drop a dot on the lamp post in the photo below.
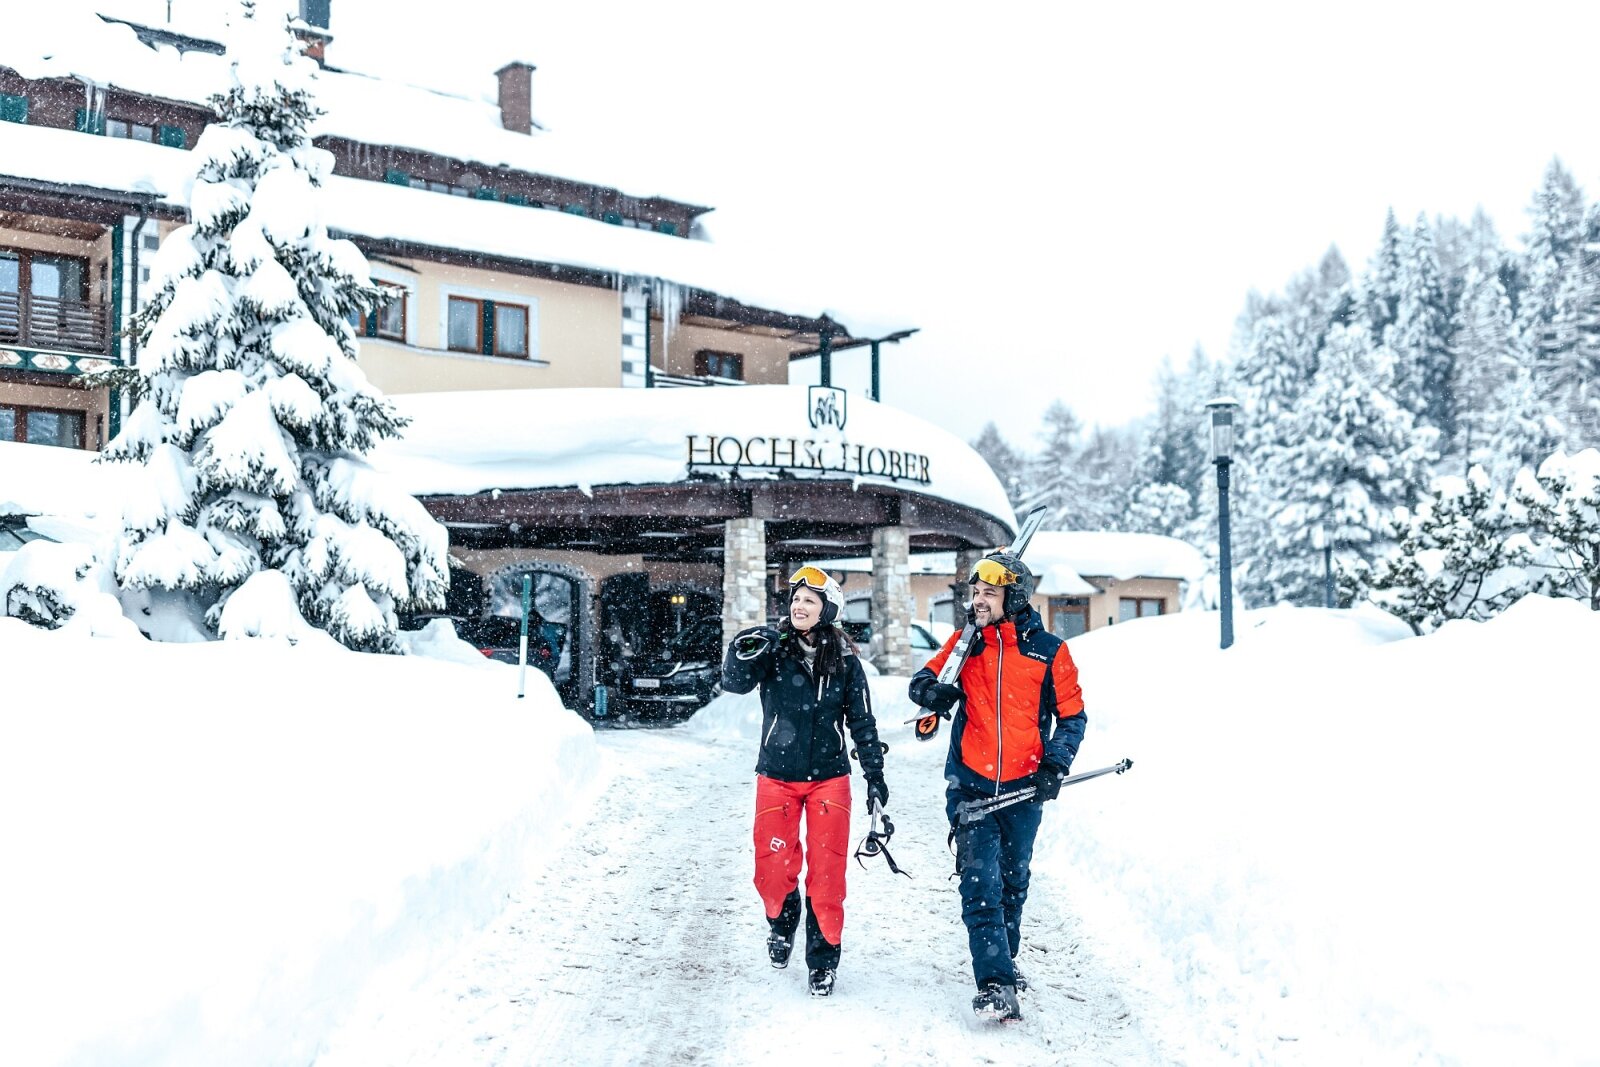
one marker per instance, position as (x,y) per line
(1322,543)
(1222,410)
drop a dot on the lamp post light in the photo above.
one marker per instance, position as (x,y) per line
(1222,410)
(1324,544)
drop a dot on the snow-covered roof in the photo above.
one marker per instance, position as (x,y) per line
(381,211)
(1062,558)
(475,442)
(70,42)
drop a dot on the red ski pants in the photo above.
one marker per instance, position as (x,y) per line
(780,853)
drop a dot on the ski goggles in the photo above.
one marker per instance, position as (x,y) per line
(810,577)
(994,572)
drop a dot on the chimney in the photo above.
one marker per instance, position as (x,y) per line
(311,27)
(516,96)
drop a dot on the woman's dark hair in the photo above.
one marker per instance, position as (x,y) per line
(833,644)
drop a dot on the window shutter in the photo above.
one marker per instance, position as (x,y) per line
(173,137)
(85,122)
(613,217)
(576,209)
(397,177)
(517,199)
(668,228)
(488,328)
(486,193)
(13,108)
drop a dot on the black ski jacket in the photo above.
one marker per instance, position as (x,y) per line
(803,718)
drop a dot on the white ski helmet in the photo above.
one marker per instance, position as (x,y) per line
(817,580)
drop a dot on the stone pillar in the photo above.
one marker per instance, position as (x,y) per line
(966,559)
(744,575)
(891,600)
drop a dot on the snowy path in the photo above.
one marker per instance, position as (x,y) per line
(646,944)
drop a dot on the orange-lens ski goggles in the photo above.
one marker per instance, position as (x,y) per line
(808,576)
(994,572)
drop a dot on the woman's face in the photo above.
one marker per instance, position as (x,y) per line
(805,608)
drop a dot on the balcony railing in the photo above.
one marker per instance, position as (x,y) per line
(678,381)
(46,322)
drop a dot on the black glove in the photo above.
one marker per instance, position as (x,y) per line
(940,697)
(755,641)
(1047,781)
(876,789)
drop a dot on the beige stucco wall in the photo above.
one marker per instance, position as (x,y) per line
(766,359)
(576,333)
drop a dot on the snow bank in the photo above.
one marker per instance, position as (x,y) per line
(1341,846)
(215,850)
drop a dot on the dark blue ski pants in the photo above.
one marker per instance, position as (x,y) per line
(992,858)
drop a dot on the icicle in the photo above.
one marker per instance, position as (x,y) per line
(670,298)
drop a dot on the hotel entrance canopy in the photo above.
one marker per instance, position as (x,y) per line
(659,472)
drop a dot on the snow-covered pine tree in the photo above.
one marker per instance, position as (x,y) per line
(1460,554)
(1553,255)
(1381,293)
(1055,477)
(1349,455)
(258,512)
(1420,334)
(1563,509)
(1487,355)
(1008,464)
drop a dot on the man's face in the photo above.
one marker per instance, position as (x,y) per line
(988,602)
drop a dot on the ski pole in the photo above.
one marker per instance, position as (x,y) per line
(970,811)
(877,841)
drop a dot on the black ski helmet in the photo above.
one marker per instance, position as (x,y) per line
(1009,573)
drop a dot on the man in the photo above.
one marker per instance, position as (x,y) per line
(1018,722)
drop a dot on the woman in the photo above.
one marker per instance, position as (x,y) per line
(812,687)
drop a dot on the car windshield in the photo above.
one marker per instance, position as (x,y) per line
(700,640)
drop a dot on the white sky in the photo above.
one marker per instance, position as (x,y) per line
(1058,195)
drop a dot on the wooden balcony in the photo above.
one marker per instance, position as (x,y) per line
(65,325)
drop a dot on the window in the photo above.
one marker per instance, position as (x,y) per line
(392,314)
(491,327)
(709,364)
(133,131)
(511,330)
(465,325)
(1069,616)
(41,426)
(1139,607)
(13,108)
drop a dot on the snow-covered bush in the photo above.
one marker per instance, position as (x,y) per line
(1461,555)
(1563,508)
(59,586)
(254,416)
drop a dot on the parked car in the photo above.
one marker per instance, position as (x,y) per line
(681,678)
(923,643)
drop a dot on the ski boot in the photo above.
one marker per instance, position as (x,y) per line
(778,949)
(822,982)
(998,1002)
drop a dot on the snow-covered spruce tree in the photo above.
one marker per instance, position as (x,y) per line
(1563,509)
(1346,459)
(1008,464)
(1460,555)
(1420,335)
(1487,354)
(258,512)
(1381,293)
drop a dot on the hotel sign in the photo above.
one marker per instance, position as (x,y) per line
(805,457)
